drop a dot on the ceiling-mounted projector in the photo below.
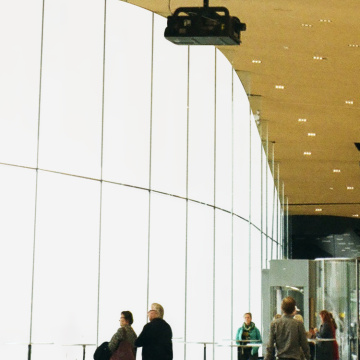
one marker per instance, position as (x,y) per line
(203,26)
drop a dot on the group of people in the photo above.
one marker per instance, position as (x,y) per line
(155,338)
(288,338)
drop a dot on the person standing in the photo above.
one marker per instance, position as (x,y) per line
(156,336)
(287,335)
(248,332)
(325,349)
(121,344)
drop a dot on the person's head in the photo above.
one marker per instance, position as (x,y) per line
(325,316)
(156,311)
(299,318)
(247,318)
(288,305)
(126,318)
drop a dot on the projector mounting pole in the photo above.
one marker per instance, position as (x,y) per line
(206,3)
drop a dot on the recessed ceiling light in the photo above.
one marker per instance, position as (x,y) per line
(302,120)
(256,61)
(331,188)
(308,153)
(319,58)
(336,170)
(311,134)
(306,25)
(318,209)
(279,86)
(325,20)
(354,45)
(349,102)
(350,188)
(356,215)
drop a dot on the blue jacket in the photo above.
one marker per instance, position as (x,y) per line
(254,335)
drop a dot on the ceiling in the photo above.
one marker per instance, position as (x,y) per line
(312,50)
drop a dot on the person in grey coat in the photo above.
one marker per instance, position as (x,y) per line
(287,335)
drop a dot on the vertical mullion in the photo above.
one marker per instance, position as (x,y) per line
(36,180)
(150,159)
(101,173)
(214,199)
(187,198)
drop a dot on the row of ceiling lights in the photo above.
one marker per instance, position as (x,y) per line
(282,87)
(320,210)
(256,61)
(328,21)
(308,153)
(348,102)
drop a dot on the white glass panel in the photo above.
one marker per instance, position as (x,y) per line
(59,352)
(255,275)
(279,232)
(124,254)
(256,149)
(167,260)
(276,217)
(66,260)
(169,121)
(196,350)
(71,102)
(127,94)
(241,296)
(223,283)
(223,194)
(20,77)
(271,204)
(12,351)
(241,287)
(263,189)
(201,124)
(264,206)
(17,205)
(200,258)
(270,251)
(241,136)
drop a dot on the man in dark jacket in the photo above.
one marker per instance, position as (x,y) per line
(155,338)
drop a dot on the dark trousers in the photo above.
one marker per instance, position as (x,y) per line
(245,354)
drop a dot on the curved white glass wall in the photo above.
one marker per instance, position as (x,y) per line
(130,173)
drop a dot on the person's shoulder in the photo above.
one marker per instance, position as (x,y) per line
(277,320)
(165,323)
(159,322)
(274,322)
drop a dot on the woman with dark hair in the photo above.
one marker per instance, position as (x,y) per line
(335,344)
(325,349)
(121,344)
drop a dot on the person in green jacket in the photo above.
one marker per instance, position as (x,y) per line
(251,334)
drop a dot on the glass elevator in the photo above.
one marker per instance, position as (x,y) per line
(330,284)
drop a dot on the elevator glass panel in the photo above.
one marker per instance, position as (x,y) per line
(278,293)
(337,292)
